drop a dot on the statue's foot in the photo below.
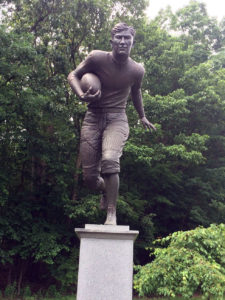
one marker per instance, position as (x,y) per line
(111,219)
(103,202)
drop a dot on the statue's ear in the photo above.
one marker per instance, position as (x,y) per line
(134,42)
(111,42)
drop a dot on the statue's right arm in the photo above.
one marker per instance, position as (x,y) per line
(86,66)
(74,79)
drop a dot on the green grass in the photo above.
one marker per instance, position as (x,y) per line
(165,298)
(170,298)
(71,298)
(74,298)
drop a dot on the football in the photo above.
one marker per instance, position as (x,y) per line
(90,80)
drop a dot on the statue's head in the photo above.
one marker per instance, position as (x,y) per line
(121,27)
(122,39)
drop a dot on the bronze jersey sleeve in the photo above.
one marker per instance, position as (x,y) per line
(117,79)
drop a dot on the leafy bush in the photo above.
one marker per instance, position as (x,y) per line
(10,291)
(27,292)
(52,291)
(65,271)
(190,262)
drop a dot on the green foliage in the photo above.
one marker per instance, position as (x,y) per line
(65,271)
(42,197)
(172,179)
(27,294)
(189,262)
(10,290)
(52,292)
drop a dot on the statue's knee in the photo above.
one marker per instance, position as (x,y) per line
(110,166)
(93,181)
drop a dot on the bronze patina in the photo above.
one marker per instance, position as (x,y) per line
(105,127)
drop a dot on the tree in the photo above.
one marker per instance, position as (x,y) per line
(186,263)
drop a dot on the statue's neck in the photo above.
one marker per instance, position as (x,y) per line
(120,59)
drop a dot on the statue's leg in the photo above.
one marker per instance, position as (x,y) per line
(103,199)
(90,151)
(114,138)
(112,189)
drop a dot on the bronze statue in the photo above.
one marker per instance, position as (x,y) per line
(105,127)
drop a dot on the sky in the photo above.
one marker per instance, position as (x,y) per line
(215,8)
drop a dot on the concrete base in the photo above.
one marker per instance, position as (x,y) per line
(105,262)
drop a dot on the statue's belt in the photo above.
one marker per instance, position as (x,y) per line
(106,110)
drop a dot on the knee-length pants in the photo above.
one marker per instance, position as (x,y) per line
(103,136)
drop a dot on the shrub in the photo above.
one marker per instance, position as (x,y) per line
(10,291)
(189,262)
(52,291)
(27,292)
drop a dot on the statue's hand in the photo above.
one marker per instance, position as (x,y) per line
(147,125)
(89,97)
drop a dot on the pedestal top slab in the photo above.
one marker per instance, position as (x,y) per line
(106,232)
(107,227)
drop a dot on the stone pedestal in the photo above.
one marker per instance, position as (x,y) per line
(105,262)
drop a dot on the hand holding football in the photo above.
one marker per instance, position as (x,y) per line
(90,80)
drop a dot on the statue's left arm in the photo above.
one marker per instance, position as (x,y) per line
(136,96)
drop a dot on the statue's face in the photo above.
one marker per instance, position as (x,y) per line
(122,42)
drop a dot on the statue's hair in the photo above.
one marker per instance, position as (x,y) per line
(120,27)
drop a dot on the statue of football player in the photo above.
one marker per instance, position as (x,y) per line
(105,127)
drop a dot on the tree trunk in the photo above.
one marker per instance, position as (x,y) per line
(20,279)
(76,176)
(9,277)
